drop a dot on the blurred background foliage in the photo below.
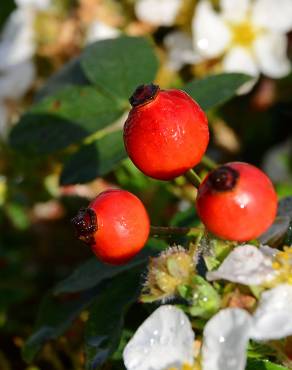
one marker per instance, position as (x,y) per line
(62,107)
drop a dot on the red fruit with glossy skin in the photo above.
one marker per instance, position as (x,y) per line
(166,132)
(115,224)
(237,201)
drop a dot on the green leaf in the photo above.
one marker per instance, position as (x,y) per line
(92,272)
(215,90)
(70,74)
(288,236)
(104,326)
(93,160)
(63,119)
(187,217)
(285,207)
(275,235)
(118,66)
(54,317)
(263,365)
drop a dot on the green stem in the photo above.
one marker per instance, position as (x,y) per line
(193,178)
(173,230)
(208,163)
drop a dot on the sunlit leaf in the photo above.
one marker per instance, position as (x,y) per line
(215,90)
(263,365)
(118,66)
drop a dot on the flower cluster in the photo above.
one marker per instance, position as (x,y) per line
(246,36)
(167,341)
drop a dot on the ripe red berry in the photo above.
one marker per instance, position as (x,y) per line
(166,132)
(115,225)
(237,201)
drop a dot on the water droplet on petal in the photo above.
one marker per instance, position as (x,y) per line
(155,332)
(221,339)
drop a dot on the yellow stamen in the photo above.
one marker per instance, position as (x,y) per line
(184,367)
(243,33)
(282,265)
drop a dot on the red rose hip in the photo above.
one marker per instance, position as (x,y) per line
(166,132)
(237,201)
(115,225)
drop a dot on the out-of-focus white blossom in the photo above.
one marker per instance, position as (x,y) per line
(17,49)
(180,50)
(248,35)
(158,12)
(100,31)
(227,333)
(17,80)
(17,39)
(165,340)
(35,4)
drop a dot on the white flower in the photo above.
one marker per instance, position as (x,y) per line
(250,265)
(17,80)
(17,38)
(247,265)
(158,12)
(226,335)
(17,48)
(249,35)
(100,31)
(165,340)
(37,4)
(180,50)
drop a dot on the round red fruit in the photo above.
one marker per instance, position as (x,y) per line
(166,132)
(115,224)
(237,201)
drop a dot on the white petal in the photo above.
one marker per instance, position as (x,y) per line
(225,340)
(17,79)
(17,41)
(100,31)
(268,251)
(239,59)
(164,340)
(211,34)
(158,13)
(38,4)
(235,10)
(246,264)
(273,317)
(180,50)
(273,14)
(271,50)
